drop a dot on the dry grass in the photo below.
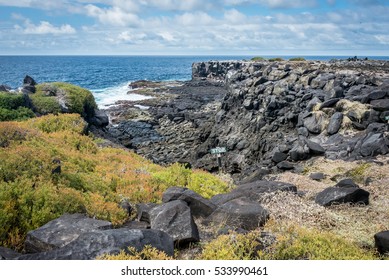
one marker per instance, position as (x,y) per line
(357,223)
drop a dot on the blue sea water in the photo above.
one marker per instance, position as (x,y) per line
(106,76)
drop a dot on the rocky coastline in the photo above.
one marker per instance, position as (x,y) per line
(268,115)
(272,118)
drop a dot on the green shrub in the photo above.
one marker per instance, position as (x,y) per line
(147,253)
(206,184)
(19,114)
(74,99)
(257,58)
(276,59)
(45,104)
(11,101)
(297,59)
(232,247)
(52,123)
(176,175)
(301,244)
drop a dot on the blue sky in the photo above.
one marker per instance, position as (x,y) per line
(195,27)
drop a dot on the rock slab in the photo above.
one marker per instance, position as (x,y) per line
(60,232)
(90,245)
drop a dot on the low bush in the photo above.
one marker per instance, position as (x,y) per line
(13,107)
(91,180)
(257,58)
(53,98)
(11,101)
(297,243)
(274,59)
(148,253)
(297,59)
(232,247)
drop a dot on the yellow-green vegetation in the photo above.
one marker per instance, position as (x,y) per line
(48,96)
(232,247)
(297,59)
(92,180)
(358,173)
(257,58)
(12,107)
(298,243)
(202,182)
(291,243)
(147,253)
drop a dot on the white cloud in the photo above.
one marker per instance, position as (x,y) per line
(234,16)
(45,28)
(195,19)
(114,16)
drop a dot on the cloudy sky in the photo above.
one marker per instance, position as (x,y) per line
(185,27)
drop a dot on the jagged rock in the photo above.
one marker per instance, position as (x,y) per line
(90,245)
(29,81)
(4,88)
(299,152)
(239,213)
(28,85)
(8,254)
(278,157)
(345,191)
(335,123)
(253,190)
(199,206)
(143,211)
(318,176)
(315,148)
(61,231)
(374,144)
(376,94)
(175,218)
(100,119)
(382,241)
(315,122)
(285,165)
(380,105)
(329,103)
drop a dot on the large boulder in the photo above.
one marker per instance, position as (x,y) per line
(90,245)
(60,232)
(199,206)
(175,218)
(374,144)
(382,242)
(29,85)
(346,191)
(314,148)
(239,213)
(253,190)
(100,119)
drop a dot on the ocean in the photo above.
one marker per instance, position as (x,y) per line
(108,77)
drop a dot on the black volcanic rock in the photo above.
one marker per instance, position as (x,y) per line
(198,204)
(345,191)
(382,242)
(90,245)
(239,213)
(175,218)
(60,232)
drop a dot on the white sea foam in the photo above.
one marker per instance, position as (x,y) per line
(107,97)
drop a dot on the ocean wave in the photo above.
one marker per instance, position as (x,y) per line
(107,97)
